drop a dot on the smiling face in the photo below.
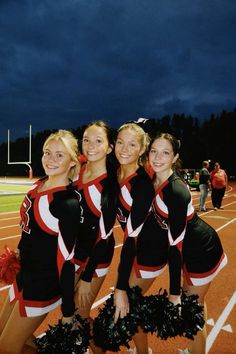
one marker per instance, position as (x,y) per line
(56,159)
(128,147)
(95,144)
(161,157)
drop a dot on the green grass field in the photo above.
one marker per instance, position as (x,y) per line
(13,188)
(11,202)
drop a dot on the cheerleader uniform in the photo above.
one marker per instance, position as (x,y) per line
(140,245)
(95,245)
(194,246)
(49,232)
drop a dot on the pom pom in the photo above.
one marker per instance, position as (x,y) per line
(159,315)
(9,266)
(192,314)
(111,336)
(65,339)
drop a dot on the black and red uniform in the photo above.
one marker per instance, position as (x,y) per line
(194,245)
(49,232)
(139,247)
(95,246)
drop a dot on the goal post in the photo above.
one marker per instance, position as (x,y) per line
(27,163)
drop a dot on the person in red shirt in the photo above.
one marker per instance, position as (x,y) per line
(219,180)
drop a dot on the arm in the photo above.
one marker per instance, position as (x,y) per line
(106,223)
(67,212)
(177,200)
(139,211)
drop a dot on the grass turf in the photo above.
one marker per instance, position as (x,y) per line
(10,203)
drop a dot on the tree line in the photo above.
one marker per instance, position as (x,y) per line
(212,139)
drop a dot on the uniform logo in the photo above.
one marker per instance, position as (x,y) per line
(120,216)
(159,219)
(24,213)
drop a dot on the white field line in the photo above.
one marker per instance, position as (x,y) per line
(9,212)
(9,226)
(14,217)
(220,322)
(9,237)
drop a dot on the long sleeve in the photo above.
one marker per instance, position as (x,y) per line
(139,210)
(179,206)
(105,233)
(67,212)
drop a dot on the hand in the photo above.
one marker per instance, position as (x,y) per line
(121,303)
(85,295)
(65,320)
(175,299)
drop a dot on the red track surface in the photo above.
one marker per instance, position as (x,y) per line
(221,298)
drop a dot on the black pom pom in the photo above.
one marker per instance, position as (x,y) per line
(160,316)
(111,336)
(64,339)
(192,315)
(166,320)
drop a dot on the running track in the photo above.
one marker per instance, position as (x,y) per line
(221,298)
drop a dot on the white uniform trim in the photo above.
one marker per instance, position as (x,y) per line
(95,196)
(161,204)
(38,311)
(49,220)
(179,239)
(131,232)
(101,271)
(126,195)
(104,235)
(148,274)
(209,278)
(63,249)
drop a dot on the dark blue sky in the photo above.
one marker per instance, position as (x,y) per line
(66,62)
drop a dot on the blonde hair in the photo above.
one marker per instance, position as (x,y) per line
(142,136)
(71,144)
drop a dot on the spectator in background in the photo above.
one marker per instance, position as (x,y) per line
(204,180)
(219,180)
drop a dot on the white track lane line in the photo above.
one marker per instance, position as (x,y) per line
(220,322)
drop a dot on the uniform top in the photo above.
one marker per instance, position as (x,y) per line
(96,223)
(134,204)
(49,233)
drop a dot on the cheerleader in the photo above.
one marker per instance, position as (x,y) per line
(194,248)
(139,263)
(49,214)
(97,190)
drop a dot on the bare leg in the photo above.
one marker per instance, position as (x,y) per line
(141,339)
(5,313)
(30,341)
(198,346)
(17,328)
(84,306)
